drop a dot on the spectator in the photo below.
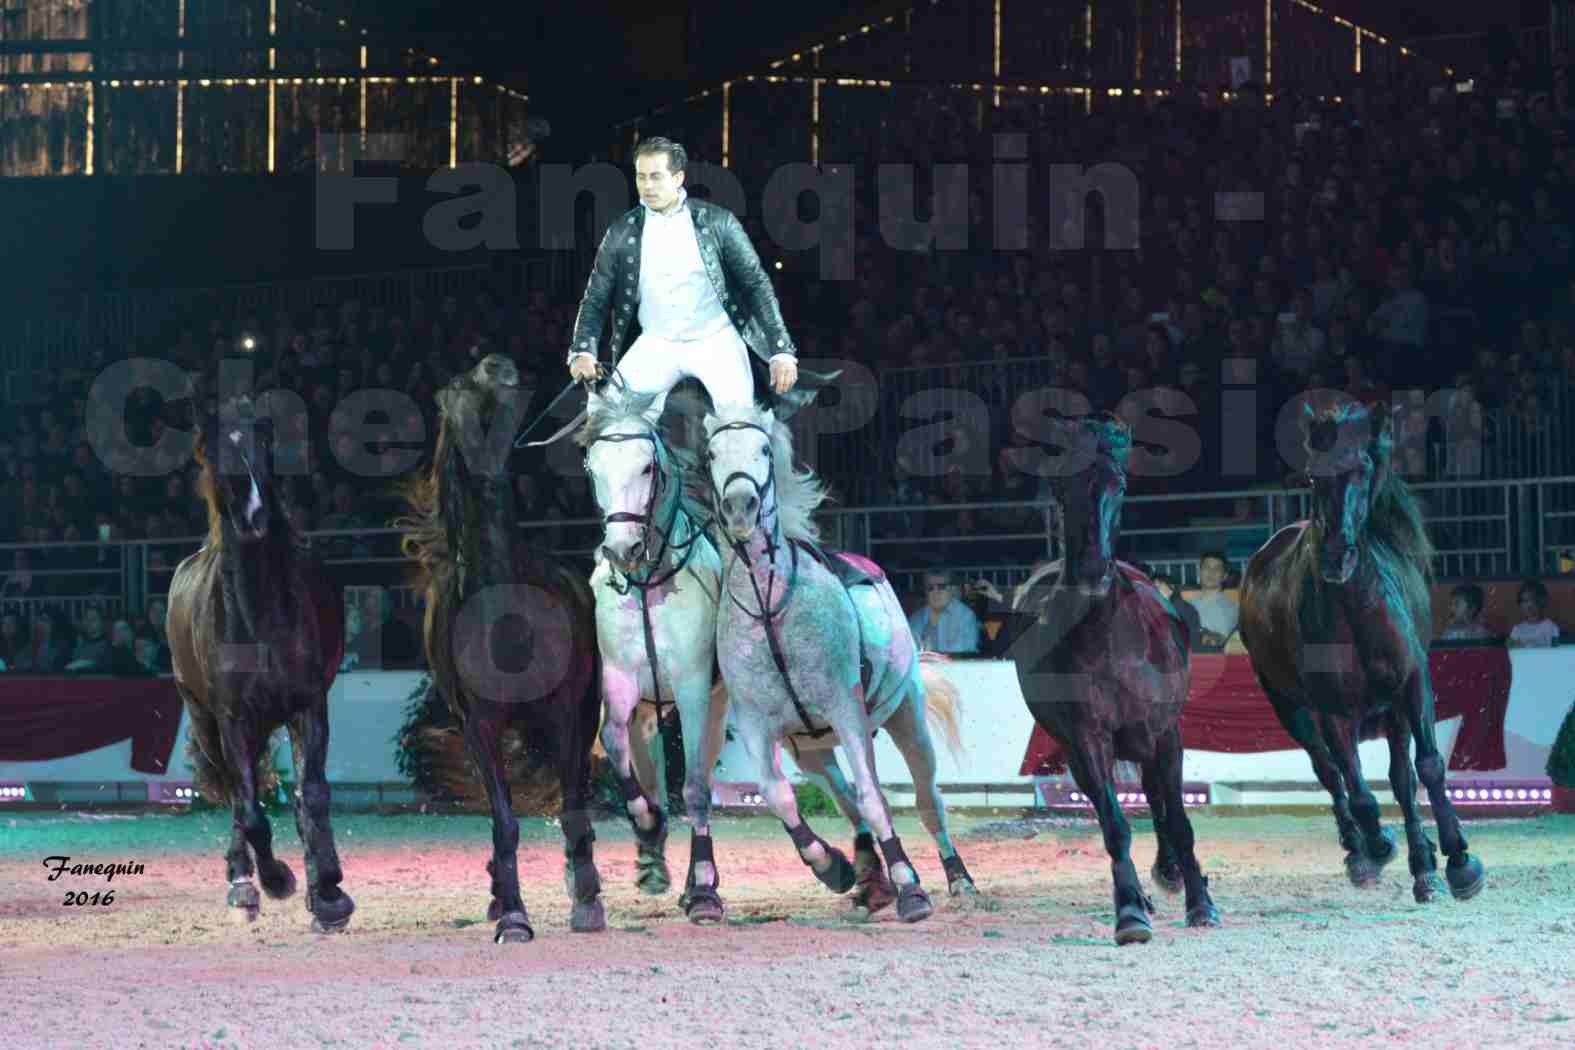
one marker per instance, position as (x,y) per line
(1400,325)
(91,654)
(47,653)
(1217,611)
(146,651)
(944,624)
(1465,615)
(13,638)
(1534,630)
(122,651)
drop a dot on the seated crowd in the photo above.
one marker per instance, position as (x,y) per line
(1410,241)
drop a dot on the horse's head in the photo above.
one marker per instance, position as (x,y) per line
(630,470)
(1090,488)
(1347,462)
(238,455)
(480,410)
(742,465)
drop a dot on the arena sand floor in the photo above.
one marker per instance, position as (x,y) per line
(1304,958)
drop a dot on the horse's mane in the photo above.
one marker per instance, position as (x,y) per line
(426,537)
(626,410)
(209,490)
(1396,533)
(1110,436)
(799,491)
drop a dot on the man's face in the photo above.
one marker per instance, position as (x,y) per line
(657,184)
(1211,573)
(937,592)
(1461,609)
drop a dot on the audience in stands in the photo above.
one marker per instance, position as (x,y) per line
(945,624)
(1217,611)
(1465,615)
(1534,630)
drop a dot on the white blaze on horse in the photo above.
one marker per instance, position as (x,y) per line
(657,581)
(816,652)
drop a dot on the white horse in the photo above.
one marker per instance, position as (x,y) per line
(656,583)
(816,652)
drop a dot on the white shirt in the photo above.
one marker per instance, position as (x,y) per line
(1217,612)
(1542,633)
(677,300)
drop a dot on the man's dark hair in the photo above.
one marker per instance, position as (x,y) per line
(1216,555)
(1473,596)
(677,156)
(1538,591)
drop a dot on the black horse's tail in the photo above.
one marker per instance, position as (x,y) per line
(211,775)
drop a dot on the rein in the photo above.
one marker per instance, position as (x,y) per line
(646,582)
(741,551)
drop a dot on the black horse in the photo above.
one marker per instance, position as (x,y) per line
(1103,667)
(1336,614)
(256,631)
(510,632)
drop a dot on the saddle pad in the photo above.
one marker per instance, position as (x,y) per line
(849,568)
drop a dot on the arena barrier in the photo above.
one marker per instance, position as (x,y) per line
(368,708)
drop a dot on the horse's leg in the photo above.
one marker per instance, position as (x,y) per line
(1299,723)
(872,889)
(330,906)
(1090,761)
(829,864)
(1424,863)
(1465,873)
(243,899)
(484,734)
(1166,873)
(910,731)
(913,904)
(1364,866)
(621,693)
(576,732)
(702,715)
(241,751)
(1167,767)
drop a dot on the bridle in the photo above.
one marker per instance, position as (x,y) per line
(741,553)
(648,576)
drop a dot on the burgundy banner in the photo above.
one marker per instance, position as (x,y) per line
(43,718)
(1227,711)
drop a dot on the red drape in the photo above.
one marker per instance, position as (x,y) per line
(44,718)
(1227,711)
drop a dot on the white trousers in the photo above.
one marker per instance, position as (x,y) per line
(720,362)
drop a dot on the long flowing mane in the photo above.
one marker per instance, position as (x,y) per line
(1396,535)
(623,410)
(799,491)
(209,489)
(426,535)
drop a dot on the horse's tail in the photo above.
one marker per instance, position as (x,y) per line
(211,775)
(942,700)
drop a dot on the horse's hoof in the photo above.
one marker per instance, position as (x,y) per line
(1427,888)
(703,906)
(588,916)
(1361,870)
(1168,879)
(1132,926)
(1203,915)
(653,879)
(494,910)
(874,893)
(913,904)
(1466,880)
(839,877)
(331,914)
(243,902)
(514,928)
(279,882)
(1384,850)
(963,889)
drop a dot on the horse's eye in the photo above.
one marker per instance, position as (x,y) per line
(647,471)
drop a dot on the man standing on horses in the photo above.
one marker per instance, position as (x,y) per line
(686,271)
